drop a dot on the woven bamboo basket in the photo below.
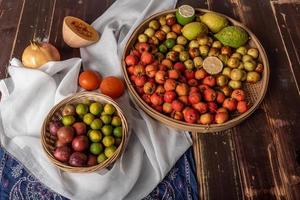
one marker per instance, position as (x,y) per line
(255,92)
(48,140)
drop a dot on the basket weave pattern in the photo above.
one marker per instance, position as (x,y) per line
(255,92)
(48,140)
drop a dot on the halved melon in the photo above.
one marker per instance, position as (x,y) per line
(77,33)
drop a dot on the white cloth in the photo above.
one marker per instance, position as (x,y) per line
(29,94)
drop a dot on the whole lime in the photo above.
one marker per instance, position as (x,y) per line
(96,124)
(109,109)
(68,120)
(106,119)
(81,109)
(102,157)
(96,108)
(95,135)
(118,132)
(109,151)
(170,43)
(116,121)
(107,129)
(88,118)
(96,148)
(108,140)
(162,48)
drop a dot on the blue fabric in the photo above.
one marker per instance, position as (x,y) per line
(18,183)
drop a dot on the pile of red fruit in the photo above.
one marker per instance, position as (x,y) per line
(169,85)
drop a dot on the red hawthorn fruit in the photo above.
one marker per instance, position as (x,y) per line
(160,90)
(201,107)
(222,109)
(203,87)
(210,81)
(146,98)
(192,82)
(177,115)
(193,89)
(167,107)
(173,74)
(169,96)
(177,105)
(189,74)
(135,53)
(220,97)
(151,70)
(194,98)
(131,60)
(221,117)
(200,74)
(182,89)
(238,94)
(168,63)
(206,119)
(191,115)
(140,81)
(212,107)
(139,70)
(149,88)
(130,70)
(170,85)
(179,66)
(146,58)
(242,106)
(132,78)
(160,77)
(156,99)
(142,47)
(209,94)
(230,104)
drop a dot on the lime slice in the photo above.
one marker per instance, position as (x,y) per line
(212,65)
(185,14)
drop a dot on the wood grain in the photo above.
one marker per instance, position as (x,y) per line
(10,15)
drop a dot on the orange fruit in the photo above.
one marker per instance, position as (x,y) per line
(112,86)
(89,80)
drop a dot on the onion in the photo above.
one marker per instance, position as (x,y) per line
(37,54)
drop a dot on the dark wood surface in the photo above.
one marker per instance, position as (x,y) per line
(255,160)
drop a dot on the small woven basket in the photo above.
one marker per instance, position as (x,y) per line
(48,140)
(255,92)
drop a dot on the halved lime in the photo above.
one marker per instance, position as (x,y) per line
(212,65)
(185,14)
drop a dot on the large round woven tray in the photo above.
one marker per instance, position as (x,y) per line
(48,140)
(255,92)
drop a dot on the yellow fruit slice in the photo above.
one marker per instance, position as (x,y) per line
(77,33)
(185,14)
(212,65)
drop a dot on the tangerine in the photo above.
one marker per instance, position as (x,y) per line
(112,86)
(89,80)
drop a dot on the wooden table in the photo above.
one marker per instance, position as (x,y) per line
(257,159)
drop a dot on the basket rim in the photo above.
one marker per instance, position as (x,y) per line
(197,127)
(70,99)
